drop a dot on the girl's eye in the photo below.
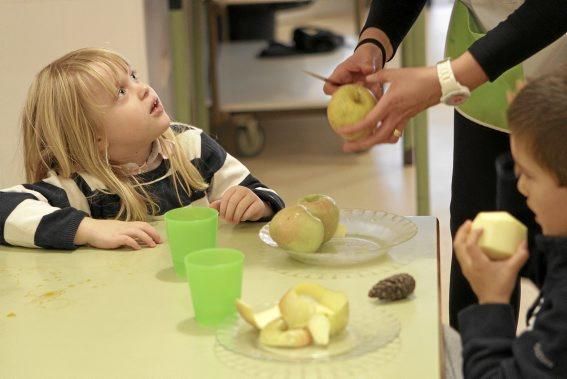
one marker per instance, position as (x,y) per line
(134,75)
(121,91)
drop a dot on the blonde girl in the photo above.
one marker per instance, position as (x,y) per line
(105,158)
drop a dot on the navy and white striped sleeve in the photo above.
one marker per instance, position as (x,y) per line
(222,171)
(41,215)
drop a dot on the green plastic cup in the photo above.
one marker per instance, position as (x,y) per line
(215,281)
(190,229)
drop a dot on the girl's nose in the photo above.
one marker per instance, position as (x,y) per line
(143,91)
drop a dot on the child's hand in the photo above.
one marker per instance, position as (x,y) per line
(491,281)
(111,234)
(241,204)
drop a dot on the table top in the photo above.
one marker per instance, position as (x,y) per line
(251,84)
(98,313)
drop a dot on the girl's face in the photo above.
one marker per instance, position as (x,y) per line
(544,195)
(133,119)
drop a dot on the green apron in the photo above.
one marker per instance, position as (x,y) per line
(488,104)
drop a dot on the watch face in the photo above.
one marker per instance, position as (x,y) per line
(456,99)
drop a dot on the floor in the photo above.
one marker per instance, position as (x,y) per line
(302,155)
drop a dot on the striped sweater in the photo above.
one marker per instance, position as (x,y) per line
(47,214)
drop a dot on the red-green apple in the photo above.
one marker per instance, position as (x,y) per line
(325,209)
(295,228)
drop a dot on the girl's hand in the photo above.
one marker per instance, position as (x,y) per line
(241,204)
(411,91)
(111,234)
(366,60)
(491,281)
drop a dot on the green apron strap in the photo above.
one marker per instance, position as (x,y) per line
(487,104)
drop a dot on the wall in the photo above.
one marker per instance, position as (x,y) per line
(35,32)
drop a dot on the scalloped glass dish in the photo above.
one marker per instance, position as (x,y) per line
(366,331)
(370,234)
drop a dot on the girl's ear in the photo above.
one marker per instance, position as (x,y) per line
(101,143)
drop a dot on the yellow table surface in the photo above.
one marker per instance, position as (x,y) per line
(122,313)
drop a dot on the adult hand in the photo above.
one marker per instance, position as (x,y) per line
(410,91)
(366,60)
(491,281)
(239,203)
(111,234)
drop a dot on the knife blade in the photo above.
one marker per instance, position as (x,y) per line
(321,77)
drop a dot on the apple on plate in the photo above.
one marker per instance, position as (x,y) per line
(257,319)
(502,234)
(295,228)
(349,104)
(325,209)
(277,333)
(307,313)
(324,312)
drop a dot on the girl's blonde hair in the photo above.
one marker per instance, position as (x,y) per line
(61,125)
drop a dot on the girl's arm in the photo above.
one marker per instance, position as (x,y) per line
(40,215)
(222,171)
(54,214)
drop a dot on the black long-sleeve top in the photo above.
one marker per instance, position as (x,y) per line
(533,26)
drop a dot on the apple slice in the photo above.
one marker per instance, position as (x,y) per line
(336,302)
(297,309)
(341,231)
(277,334)
(260,319)
(320,328)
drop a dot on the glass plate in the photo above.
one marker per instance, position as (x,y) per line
(366,331)
(370,234)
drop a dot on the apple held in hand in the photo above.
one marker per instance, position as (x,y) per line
(325,209)
(295,228)
(502,233)
(350,104)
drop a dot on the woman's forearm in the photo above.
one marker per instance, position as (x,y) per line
(468,71)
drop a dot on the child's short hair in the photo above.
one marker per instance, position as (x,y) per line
(538,119)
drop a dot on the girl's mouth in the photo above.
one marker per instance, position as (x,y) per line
(155,106)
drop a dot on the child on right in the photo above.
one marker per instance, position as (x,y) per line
(490,347)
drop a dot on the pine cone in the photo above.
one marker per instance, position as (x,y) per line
(395,287)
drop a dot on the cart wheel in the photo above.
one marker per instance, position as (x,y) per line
(250,139)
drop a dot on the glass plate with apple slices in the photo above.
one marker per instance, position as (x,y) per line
(368,330)
(369,235)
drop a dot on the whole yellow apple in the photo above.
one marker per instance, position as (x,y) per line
(350,104)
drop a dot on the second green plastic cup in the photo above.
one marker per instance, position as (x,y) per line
(190,229)
(215,281)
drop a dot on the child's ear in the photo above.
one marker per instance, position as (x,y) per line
(101,143)
(511,95)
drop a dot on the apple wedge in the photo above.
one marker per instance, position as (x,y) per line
(260,319)
(336,302)
(341,231)
(277,334)
(320,328)
(298,309)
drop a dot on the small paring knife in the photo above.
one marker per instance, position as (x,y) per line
(321,77)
